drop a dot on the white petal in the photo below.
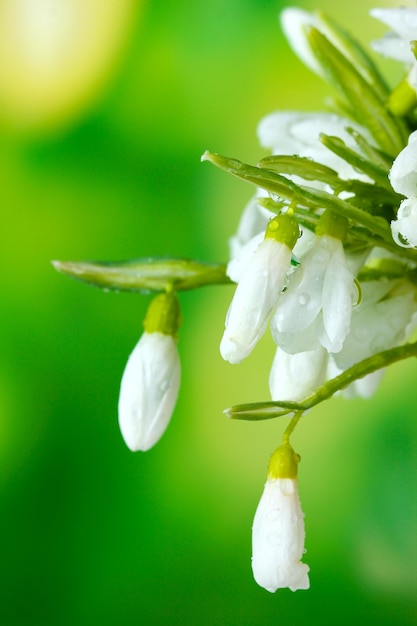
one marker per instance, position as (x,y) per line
(149,390)
(242,256)
(254,300)
(252,222)
(294,376)
(404,228)
(278,538)
(403,174)
(339,294)
(375,328)
(402,20)
(302,301)
(293,21)
(393,47)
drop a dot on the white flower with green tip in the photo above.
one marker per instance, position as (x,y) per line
(320,294)
(258,290)
(278,528)
(151,379)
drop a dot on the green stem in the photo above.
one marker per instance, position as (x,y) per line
(268,410)
(289,430)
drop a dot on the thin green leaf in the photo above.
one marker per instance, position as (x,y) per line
(354,51)
(365,103)
(145,275)
(283,188)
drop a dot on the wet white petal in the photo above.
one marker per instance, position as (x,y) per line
(403,174)
(278,538)
(255,299)
(404,228)
(149,390)
(294,376)
(376,325)
(302,301)
(337,299)
(252,222)
(242,256)
(320,296)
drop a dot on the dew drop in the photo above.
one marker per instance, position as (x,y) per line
(303,299)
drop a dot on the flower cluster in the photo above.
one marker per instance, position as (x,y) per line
(325,255)
(342,290)
(325,310)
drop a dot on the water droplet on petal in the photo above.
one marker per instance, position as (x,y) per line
(303,299)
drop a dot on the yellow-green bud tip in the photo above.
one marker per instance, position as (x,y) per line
(163,315)
(333,225)
(283,463)
(284,229)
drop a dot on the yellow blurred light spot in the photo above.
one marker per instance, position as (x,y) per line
(56,56)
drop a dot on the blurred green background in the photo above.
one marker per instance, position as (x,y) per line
(105,109)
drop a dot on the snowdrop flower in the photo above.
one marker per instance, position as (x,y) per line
(317,306)
(151,378)
(403,178)
(294,376)
(278,527)
(259,288)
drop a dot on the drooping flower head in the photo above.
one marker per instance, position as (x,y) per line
(317,306)
(278,527)
(258,289)
(151,378)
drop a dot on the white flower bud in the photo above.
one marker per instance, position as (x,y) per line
(278,527)
(255,299)
(321,285)
(278,538)
(149,390)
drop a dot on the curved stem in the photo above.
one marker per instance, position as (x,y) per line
(268,410)
(289,430)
